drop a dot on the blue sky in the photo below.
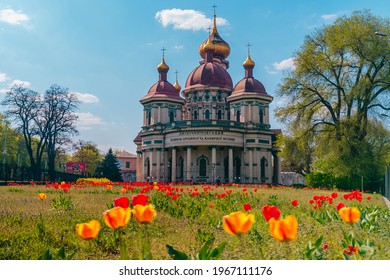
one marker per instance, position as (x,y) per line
(107,51)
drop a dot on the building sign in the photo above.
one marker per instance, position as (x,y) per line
(75,167)
(203,137)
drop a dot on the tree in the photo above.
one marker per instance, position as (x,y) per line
(109,168)
(89,153)
(340,82)
(46,122)
(341,76)
(58,114)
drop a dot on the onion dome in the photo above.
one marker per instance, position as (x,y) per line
(209,74)
(176,84)
(163,88)
(249,84)
(222,49)
(162,67)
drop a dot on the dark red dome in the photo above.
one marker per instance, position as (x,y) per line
(209,74)
(162,89)
(249,84)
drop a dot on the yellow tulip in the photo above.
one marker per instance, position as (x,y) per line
(284,229)
(42,196)
(144,214)
(88,230)
(117,217)
(350,214)
(237,223)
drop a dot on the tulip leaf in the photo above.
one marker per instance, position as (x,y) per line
(203,252)
(175,254)
(217,251)
(318,242)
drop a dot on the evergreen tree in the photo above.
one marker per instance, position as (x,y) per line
(109,168)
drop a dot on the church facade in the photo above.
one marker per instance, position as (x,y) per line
(211,130)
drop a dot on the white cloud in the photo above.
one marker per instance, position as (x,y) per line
(285,64)
(186,19)
(3,77)
(178,47)
(13,17)
(86,120)
(329,17)
(270,71)
(19,83)
(86,97)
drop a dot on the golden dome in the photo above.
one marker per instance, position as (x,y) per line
(163,66)
(209,46)
(222,49)
(177,86)
(249,63)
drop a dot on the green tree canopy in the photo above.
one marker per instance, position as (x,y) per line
(89,153)
(339,92)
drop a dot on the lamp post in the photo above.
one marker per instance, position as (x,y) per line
(213,167)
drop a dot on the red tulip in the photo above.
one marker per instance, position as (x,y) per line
(294,202)
(122,201)
(270,212)
(247,207)
(334,195)
(139,199)
(339,206)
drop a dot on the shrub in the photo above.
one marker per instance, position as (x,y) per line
(320,180)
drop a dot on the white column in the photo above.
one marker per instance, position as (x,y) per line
(173,167)
(188,165)
(230,164)
(142,169)
(249,113)
(158,166)
(213,162)
(213,113)
(251,166)
(151,164)
(159,114)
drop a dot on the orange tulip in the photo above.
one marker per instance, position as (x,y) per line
(238,222)
(42,196)
(350,214)
(284,229)
(117,217)
(144,214)
(88,230)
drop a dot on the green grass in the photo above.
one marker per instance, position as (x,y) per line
(33,229)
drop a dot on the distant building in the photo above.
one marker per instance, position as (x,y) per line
(212,129)
(292,178)
(127,166)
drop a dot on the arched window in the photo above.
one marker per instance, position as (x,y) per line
(202,167)
(226,169)
(148,117)
(219,97)
(206,97)
(237,168)
(147,167)
(207,114)
(238,116)
(195,115)
(261,112)
(195,98)
(181,168)
(263,165)
(171,116)
(219,115)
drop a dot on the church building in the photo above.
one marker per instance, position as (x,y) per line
(210,130)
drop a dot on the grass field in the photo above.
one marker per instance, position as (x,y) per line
(187,217)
